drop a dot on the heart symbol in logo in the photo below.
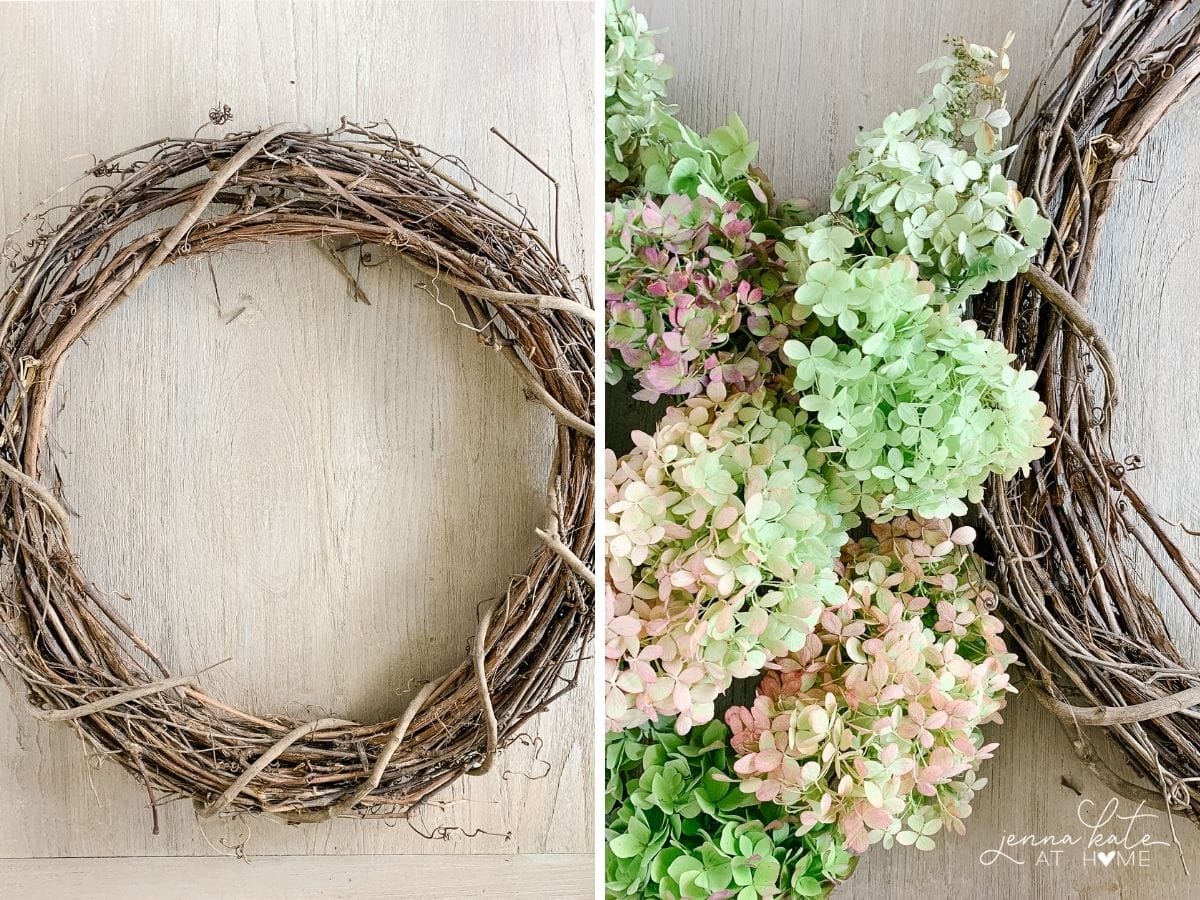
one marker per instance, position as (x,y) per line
(1106,858)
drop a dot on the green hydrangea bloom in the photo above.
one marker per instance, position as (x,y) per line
(678,826)
(635,79)
(921,407)
(928,183)
(650,152)
(680,161)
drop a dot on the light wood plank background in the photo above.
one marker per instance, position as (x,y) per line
(535,876)
(320,490)
(805,76)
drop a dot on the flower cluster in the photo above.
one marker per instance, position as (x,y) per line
(721,534)
(678,827)
(716,166)
(920,405)
(682,278)
(874,726)
(828,371)
(649,152)
(929,183)
(635,79)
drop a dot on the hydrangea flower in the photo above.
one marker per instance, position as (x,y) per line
(682,277)
(678,826)
(920,406)
(650,152)
(721,534)
(646,149)
(928,183)
(874,726)
(635,79)
(718,166)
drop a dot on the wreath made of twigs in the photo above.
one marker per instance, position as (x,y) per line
(77,660)
(1071,541)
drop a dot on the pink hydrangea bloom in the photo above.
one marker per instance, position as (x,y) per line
(682,280)
(721,541)
(875,724)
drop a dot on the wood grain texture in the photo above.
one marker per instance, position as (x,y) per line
(805,76)
(319,490)
(533,876)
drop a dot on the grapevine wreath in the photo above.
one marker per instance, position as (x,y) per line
(76,658)
(1084,558)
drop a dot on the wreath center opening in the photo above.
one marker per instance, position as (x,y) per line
(318,489)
